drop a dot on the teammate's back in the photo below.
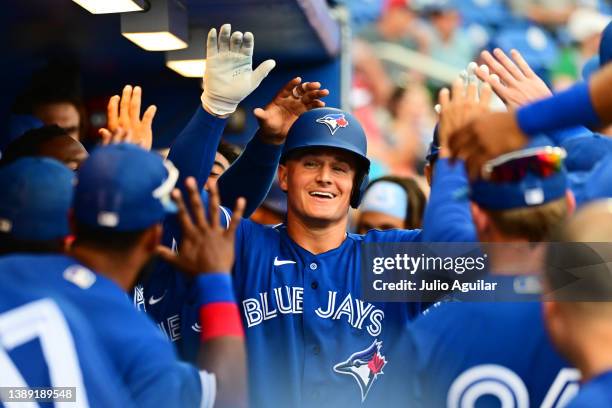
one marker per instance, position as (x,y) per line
(46,342)
(486,353)
(137,351)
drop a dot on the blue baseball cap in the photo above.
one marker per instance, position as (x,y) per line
(125,188)
(584,151)
(18,125)
(598,183)
(531,190)
(276,200)
(36,199)
(385,197)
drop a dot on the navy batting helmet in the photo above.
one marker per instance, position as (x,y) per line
(330,127)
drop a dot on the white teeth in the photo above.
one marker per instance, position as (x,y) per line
(322,194)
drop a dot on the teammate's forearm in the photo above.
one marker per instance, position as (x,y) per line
(600,94)
(251,175)
(569,108)
(223,349)
(583,104)
(193,151)
(447,216)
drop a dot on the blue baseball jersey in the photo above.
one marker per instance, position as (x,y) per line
(139,354)
(47,343)
(169,297)
(488,355)
(312,339)
(594,393)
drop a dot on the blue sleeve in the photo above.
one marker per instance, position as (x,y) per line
(448,217)
(178,384)
(560,136)
(251,175)
(193,151)
(193,154)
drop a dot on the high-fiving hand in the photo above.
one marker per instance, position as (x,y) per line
(123,120)
(290,102)
(229,76)
(519,85)
(206,247)
(459,107)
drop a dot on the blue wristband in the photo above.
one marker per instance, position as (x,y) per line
(215,287)
(571,107)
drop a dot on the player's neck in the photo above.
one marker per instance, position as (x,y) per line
(515,258)
(595,356)
(120,269)
(316,237)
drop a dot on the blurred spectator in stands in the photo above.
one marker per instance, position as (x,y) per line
(549,13)
(399,25)
(449,43)
(585,26)
(411,125)
(391,202)
(370,93)
(54,97)
(227,153)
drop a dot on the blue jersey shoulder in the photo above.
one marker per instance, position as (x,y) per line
(459,345)
(60,349)
(595,393)
(138,352)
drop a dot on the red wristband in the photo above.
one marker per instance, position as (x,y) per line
(220,319)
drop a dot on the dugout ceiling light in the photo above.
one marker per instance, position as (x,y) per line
(112,6)
(162,28)
(189,62)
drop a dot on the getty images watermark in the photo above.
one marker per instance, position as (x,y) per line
(429,272)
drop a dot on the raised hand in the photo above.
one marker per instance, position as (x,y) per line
(485,138)
(512,79)
(459,108)
(290,102)
(229,75)
(206,247)
(124,123)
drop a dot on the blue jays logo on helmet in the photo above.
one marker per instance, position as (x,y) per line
(333,121)
(364,366)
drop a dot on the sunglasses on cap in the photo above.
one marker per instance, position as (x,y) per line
(512,167)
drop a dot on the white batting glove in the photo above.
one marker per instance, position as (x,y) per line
(497,105)
(229,75)
(469,77)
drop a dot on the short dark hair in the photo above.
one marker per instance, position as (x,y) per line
(12,245)
(229,151)
(106,238)
(30,143)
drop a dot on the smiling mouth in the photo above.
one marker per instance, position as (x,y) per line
(322,194)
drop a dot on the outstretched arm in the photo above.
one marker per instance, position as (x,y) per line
(253,172)
(496,133)
(448,217)
(206,253)
(229,78)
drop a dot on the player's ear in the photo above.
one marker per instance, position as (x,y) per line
(552,320)
(428,171)
(152,237)
(570,199)
(481,219)
(282,177)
